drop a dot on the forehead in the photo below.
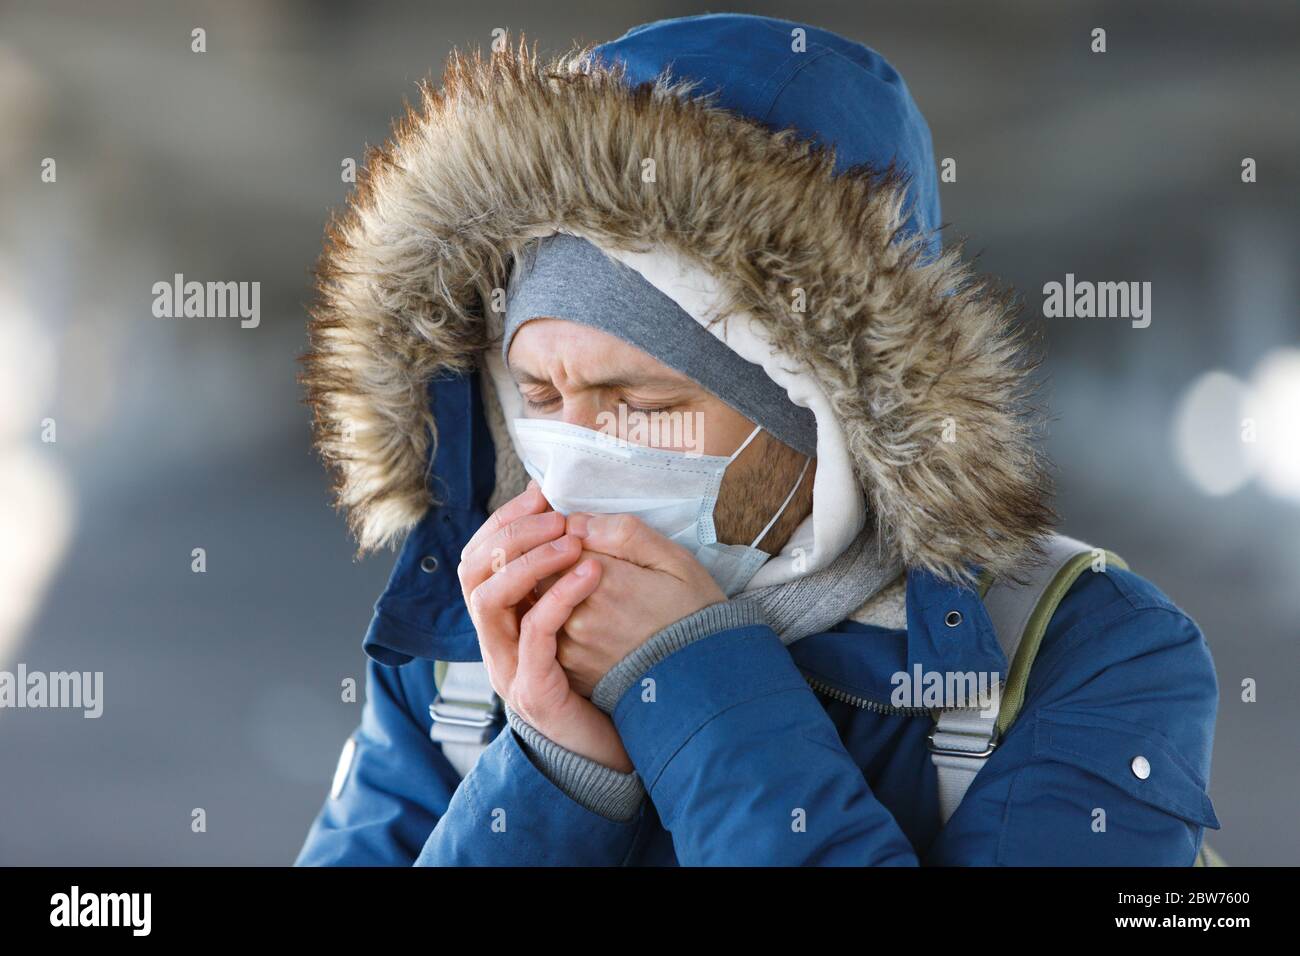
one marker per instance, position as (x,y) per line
(586,355)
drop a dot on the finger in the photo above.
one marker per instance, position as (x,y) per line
(515,582)
(543,586)
(496,551)
(498,640)
(538,629)
(589,623)
(529,501)
(497,619)
(631,539)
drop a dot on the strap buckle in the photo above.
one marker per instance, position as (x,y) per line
(991,744)
(463,721)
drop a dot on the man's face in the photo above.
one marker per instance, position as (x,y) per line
(582,376)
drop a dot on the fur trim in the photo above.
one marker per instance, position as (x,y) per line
(910,352)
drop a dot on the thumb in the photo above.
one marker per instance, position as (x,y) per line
(630,539)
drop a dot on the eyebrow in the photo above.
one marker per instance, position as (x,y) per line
(524,377)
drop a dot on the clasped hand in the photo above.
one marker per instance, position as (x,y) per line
(557,602)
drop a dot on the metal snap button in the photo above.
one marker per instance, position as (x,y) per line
(1141,767)
(952,618)
(428,564)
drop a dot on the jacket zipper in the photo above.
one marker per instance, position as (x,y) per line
(863,703)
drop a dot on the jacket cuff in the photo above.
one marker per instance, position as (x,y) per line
(697,685)
(705,622)
(600,789)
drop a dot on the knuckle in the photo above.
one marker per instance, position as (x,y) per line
(534,623)
(626,528)
(509,534)
(521,703)
(526,700)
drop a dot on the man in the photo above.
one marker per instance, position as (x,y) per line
(781,463)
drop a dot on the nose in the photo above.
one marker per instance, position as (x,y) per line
(580,410)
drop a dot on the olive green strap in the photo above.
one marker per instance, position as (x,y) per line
(1207,857)
(1030,637)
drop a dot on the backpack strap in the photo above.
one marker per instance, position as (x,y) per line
(1209,857)
(963,739)
(464,712)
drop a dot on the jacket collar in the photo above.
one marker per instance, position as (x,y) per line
(862,660)
(421,612)
(948,628)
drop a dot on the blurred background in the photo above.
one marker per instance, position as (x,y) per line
(221,690)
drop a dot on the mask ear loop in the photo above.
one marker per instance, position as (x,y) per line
(780,511)
(745,444)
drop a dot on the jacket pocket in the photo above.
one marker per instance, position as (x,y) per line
(1138,761)
(1096,791)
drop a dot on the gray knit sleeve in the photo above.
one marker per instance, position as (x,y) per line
(703,623)
(603,790)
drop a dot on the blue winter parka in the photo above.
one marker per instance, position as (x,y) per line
(791,159)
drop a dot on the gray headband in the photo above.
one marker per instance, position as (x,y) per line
(566,277)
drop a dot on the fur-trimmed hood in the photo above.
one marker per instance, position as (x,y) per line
(920,358)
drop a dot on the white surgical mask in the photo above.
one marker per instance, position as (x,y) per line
(671,491)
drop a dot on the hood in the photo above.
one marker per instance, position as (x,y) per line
(711,140)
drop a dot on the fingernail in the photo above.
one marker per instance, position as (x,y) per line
(562,542)
(583,569)
(578,524)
